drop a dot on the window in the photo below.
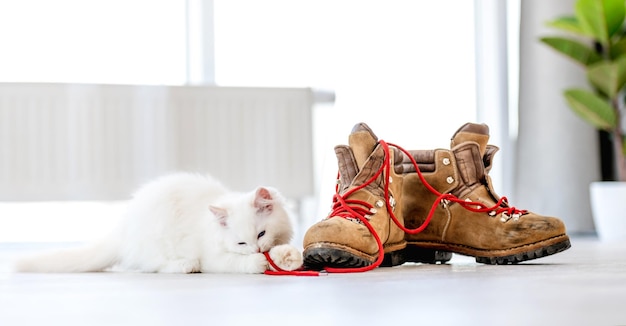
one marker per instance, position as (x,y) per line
(110,42)
(404,67)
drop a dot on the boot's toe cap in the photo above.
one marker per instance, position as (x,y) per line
(531,228)
(341,233)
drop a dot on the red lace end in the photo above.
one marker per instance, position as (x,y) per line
(279,271)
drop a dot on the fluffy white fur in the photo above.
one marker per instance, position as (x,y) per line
(185,223)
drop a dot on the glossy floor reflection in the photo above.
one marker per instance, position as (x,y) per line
(585,285)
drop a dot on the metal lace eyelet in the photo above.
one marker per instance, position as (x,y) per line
(445,202)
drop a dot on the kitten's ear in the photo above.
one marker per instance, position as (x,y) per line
(220,213)
(263,201)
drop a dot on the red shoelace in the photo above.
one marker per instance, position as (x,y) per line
(360,210)
(279,271)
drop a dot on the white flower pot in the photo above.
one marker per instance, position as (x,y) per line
(608,205)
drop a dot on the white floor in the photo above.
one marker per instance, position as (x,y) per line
(585,285)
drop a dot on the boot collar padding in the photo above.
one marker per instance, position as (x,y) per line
(472,132)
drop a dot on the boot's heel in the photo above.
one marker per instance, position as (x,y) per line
(424,255)
(394,258)
(415,255)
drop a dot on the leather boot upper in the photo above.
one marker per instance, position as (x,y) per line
(463,172)
(358,163)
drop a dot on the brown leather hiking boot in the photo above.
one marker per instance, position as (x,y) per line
(469,217)
(360,226)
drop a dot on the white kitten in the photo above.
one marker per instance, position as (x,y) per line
(185,223)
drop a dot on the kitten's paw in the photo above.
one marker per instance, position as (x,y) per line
(256,264)
(286,257)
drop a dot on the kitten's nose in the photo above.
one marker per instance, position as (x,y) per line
(257,249)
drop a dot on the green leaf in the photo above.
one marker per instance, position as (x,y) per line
(608,77)
(580,52)
(600,19)
(592,108)
(618,48)
(569,24)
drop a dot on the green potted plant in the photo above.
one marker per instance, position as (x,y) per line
(598,44)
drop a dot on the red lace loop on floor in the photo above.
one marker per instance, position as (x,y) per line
(359,210)
(279,271)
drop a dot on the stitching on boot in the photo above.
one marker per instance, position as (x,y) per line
(445,228)
(452,245)
(325,244)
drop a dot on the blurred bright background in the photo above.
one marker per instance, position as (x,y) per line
(414,71)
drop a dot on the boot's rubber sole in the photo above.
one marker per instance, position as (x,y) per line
(501,256)
(318,258)
(528,255)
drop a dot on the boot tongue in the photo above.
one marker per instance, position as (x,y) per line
(347,167)
(362,140)
(475,132)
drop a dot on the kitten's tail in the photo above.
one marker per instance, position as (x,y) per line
(94,257)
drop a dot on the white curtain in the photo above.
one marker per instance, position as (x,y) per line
(557,153)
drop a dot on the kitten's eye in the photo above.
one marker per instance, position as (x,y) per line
(242,243)
(262,233)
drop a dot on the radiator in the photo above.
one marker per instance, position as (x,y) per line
(100,142)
